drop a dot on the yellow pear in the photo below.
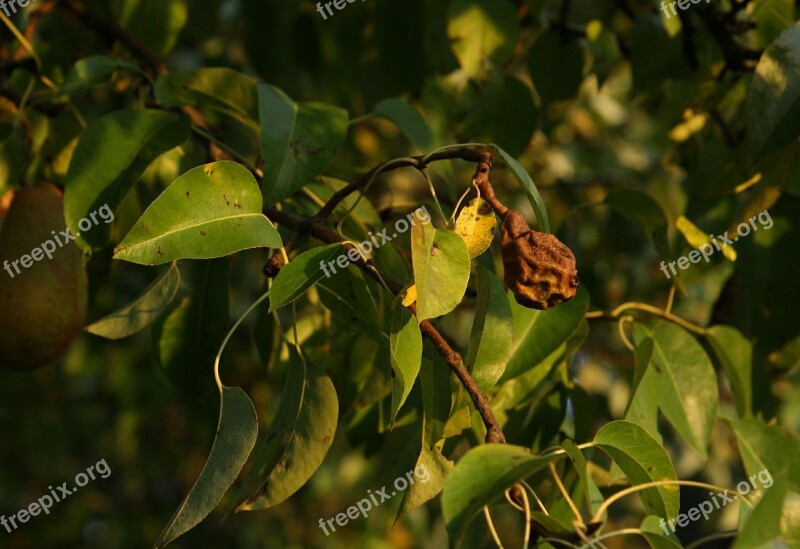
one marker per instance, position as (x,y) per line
(43,284)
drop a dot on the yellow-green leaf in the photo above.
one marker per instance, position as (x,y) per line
(476,224)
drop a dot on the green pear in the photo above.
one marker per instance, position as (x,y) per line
(43,299)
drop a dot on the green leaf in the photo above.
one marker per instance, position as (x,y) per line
(405,345)
(436,398)
(435,381)
(769,455)
(308,416)
(643,460)
(492,331)
(688,394)
(538,333)
(298,141)
(347,295)
(145,310)
(224,90)
(156,23)
(236,435)
(653,533)
(765,447)
(643,210)
(441,269)
(735,353)
(481,477)
(110,157)
(434,468)
(528,386)
(92,71)
(527,183)
(409,120)
(301,273)
(763,526)
(188,336)
(556,52)
(482,32)
(210,211)
(586,485)
(642,406)
(774,98)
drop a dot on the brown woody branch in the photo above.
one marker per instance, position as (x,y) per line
(317,227)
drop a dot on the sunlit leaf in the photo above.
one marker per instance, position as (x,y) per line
(441,269)
(210,211)
(405,344)
(476,224)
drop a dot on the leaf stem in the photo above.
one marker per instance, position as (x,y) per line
(638,487)
(564,493)
(644,307)
(492,530)
(228,337)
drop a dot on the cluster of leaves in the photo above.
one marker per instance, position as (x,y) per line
(635,125)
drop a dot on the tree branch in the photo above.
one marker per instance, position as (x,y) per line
(317,227)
